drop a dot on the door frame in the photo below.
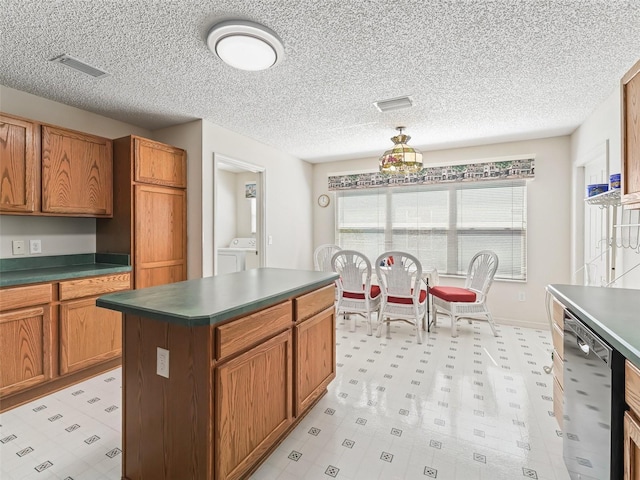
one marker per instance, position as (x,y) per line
(261,196)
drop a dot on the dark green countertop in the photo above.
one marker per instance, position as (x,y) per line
(613,313)
(23,271)
(207,301)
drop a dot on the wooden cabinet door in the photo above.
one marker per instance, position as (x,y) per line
(159,164)
(160,235)
(631,137)
(25,349)
(631,447)
(18,166)
(77,173)
(252,405)
(315,354)
(88,334)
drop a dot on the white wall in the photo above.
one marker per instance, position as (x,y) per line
(59,235)
(287,191)
(548,226)
(603,124)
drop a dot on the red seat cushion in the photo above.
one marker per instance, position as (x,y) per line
(375,291)
(408,301)
(453,294)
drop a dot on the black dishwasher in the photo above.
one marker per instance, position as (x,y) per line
(593,404)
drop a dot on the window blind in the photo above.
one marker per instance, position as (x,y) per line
(444,225)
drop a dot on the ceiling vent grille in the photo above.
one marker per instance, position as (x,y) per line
(393,104)
(79,65)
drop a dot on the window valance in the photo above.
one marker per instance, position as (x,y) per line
(471,172)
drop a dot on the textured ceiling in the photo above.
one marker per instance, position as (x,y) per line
(477,71)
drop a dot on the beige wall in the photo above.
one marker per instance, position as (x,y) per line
(548,226)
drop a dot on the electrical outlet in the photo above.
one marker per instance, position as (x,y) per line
(35,246)
(162,366)
(17,247)
(522,297)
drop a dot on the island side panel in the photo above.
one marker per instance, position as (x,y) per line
(167,432)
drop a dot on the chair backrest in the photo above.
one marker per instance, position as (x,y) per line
(354,269)
(322,257)
(482,269)
(399,274)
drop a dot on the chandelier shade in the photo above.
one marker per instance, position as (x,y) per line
(401,158)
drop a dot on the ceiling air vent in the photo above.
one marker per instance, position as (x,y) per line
(79,65)
(393,104)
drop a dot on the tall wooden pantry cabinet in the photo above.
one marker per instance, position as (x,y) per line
(149,211)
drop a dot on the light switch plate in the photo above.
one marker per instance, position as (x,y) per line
(35,246)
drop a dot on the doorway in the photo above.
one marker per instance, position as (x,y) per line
(239,213)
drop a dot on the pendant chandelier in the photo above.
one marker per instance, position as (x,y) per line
(401,158)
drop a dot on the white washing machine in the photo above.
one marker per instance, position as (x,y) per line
(239,255)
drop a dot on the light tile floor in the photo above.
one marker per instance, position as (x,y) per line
(472,407)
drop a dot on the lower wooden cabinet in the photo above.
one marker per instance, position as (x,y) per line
(631,447)
(315,344)
(25,348)
(252,406)
(53,335)
(632,422)
(88,335)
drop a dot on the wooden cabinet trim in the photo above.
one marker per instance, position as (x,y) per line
(19,164)
(557,336)
(25,296)
(558,368)
(558,314)
(240,334)
(558,394)
(85,287)
(630,133)
(631,447)
(314,302)
(632,386)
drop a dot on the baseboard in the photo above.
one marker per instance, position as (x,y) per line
(522,323)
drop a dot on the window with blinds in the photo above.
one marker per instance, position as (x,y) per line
(444,225)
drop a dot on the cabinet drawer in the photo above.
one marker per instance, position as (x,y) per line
(240,334)
(27,296)
(558,314)
(557,402)
(558,341)
(558,368)
(632,386)
(86,287)
(314,302)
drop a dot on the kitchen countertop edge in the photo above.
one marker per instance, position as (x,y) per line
(151,302)
(610,312)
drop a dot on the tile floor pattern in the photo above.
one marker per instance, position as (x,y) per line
(472,407)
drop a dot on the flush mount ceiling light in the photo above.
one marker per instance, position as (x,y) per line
(245,45)
(401,158)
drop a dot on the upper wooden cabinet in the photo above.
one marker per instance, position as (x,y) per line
(149,211)
(77,175)
(159,164)
(630,94)
(46,170)
(18,166)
